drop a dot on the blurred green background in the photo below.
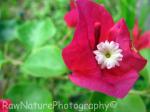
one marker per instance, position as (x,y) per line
(32,35)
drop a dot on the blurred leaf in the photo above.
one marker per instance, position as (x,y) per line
(142,82)
(4,13)
(39,9)
(36,33)
(70,93)
(146,71)
(1,59)
(45,62)
(131,103)
(29,94)
(64,87)
(110,5)
(143,12)
(100,98)
(121,9)
(127,10)
(7,30)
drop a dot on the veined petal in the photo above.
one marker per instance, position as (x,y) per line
(71,18)
(119,33)
(144,41)
(72,4)
(118,89)
(136,31)
(95,14)
(131,59)
(78,55)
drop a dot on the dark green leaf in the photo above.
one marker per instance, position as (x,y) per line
(7,30)
(1,59)
(106,103)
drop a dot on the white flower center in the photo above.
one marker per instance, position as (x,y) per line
(108,54)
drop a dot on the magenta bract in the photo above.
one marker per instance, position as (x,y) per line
(4,104)
(95,25)
(140,40)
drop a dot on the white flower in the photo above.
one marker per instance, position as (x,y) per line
(108,54)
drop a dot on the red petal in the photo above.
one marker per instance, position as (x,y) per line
(119,33)
(144,41)
(136,31)
(119,89)
(72,4)
(6,103)
(78,55)
(71,18)
(131,61)
(136,35)
(93,14)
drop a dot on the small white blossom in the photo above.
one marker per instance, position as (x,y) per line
(108,54)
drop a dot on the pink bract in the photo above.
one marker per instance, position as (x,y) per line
(96,25)
(72,16)
(4,105)
(140,40)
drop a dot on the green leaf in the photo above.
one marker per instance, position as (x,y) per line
(142,82)
(39,9)
(127,10)
(131,103)
(29,94)
(45,62)
(106,103)
(61,2)
(7,30)
(143,12)
(36,33)
(146,71)
(1,59)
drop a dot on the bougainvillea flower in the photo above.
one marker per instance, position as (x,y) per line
(140,41)
(4,104)
(72,15)
(100,55)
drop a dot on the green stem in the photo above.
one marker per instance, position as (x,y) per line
(145,93)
